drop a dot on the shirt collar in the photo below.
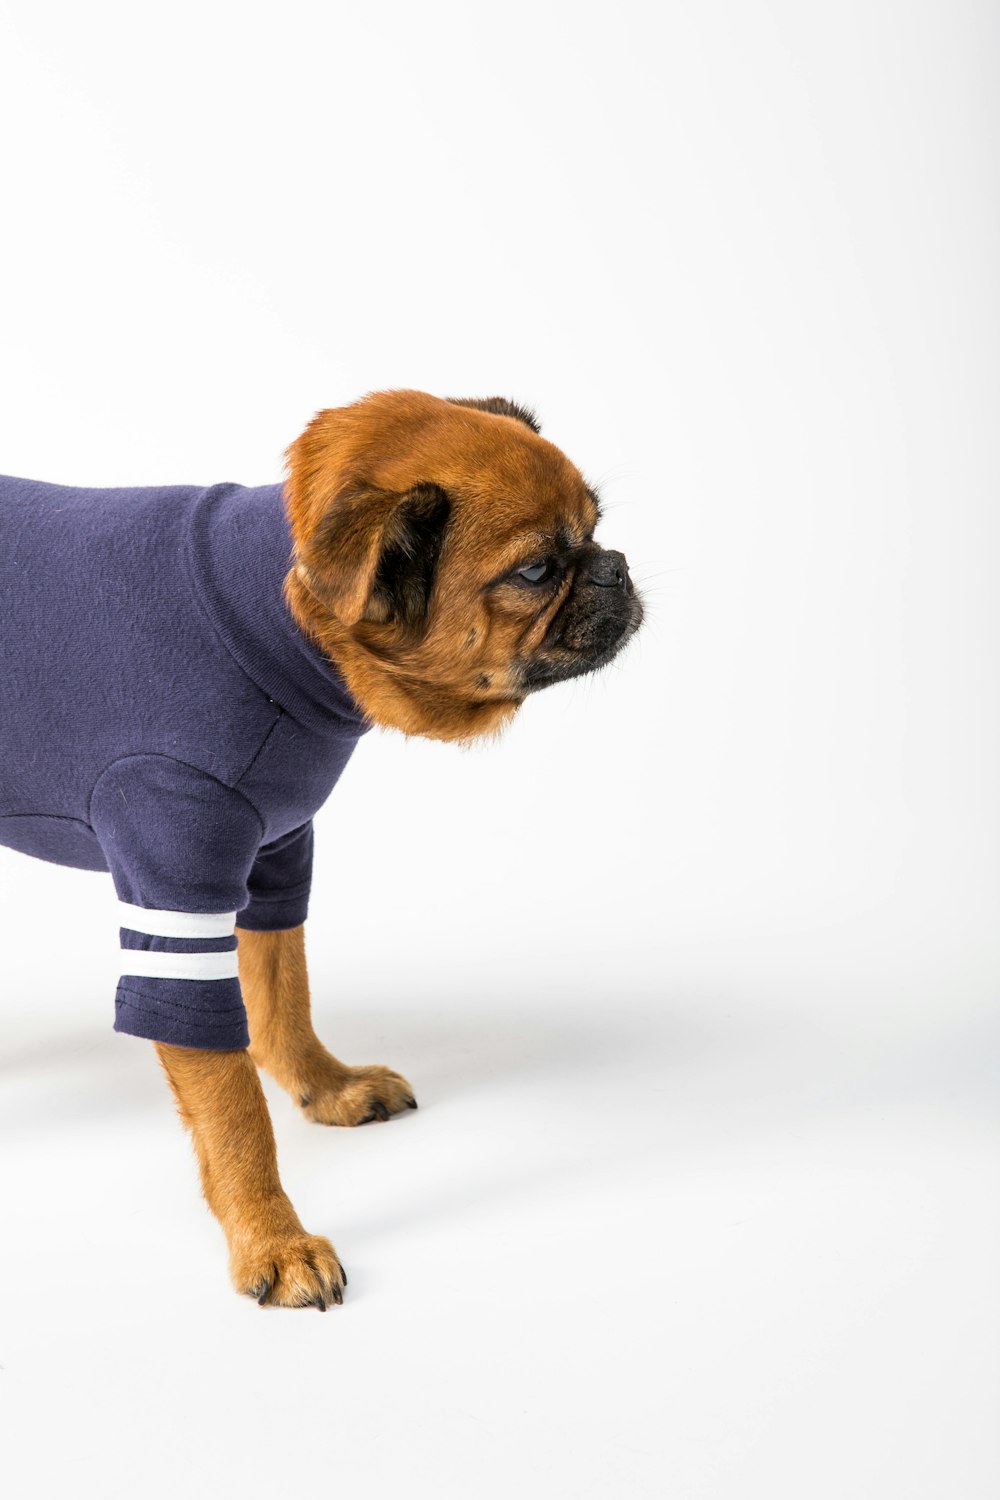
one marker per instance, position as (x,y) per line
(241,550)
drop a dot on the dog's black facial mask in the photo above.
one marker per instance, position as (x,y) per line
(601,612)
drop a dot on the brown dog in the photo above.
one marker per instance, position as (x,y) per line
(444,564)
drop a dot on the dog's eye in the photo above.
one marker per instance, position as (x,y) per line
(536,572)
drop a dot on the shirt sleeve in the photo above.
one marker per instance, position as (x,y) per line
(279,883)
(180,847)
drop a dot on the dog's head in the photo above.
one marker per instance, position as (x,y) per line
(445,560)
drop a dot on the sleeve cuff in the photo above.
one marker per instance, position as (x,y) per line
(205,1014)
(274,913)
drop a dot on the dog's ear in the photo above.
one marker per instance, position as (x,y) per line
(374,554)
(500,407)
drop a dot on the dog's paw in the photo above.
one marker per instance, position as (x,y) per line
(354,1096)
(300,1270)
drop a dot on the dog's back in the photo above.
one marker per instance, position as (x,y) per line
(100,645)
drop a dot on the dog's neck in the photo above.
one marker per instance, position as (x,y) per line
(241,556)
(391,696)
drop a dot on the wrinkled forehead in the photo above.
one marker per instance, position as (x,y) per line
(497,472)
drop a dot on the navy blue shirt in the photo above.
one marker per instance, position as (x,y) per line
(163,717)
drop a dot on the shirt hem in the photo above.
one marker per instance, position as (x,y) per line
(231,1035)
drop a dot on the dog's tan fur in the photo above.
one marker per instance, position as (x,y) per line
(455,680)
(221,1102)
(271,1257)
(282,1041)
(356,478)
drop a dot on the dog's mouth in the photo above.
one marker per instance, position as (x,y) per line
(598,645)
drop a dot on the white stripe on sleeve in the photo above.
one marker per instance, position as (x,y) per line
(179,965)
(176,924)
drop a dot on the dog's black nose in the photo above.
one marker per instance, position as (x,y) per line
(610,571)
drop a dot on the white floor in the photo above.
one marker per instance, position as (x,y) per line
(718,1239)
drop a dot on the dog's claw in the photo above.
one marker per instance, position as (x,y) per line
(296,1270)
(338,1296)
(343,1274)
(355,1096)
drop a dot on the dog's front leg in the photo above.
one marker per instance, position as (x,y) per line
(275,988)
(271,1257)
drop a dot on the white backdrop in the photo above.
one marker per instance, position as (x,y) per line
(696,972)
